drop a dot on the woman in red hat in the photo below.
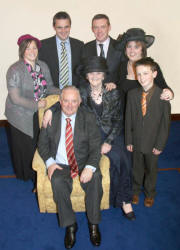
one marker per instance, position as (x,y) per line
(28,82)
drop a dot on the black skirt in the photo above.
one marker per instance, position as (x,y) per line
(22,150)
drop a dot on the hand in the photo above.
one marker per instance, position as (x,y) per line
(167,95)
(130,148)
(110,86)
(52,168)
(47,118)
(86,175)
(105,148)
(41,103)
(156,151)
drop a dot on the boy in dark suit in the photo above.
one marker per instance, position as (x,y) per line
(147,126)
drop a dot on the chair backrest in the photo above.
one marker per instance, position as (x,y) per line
(51,99)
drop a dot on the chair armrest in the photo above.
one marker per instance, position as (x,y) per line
(38,164)
(104,166)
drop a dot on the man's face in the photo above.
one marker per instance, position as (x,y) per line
(62,28)
(70,101)
(145,76)
(101,28)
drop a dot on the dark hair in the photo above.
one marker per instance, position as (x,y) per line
(23,46)
(148,61)
(61,15)
(143,45)
(101,16)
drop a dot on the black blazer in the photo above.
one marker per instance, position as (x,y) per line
(113,58)
(48,53)
(150,131)
(87,139)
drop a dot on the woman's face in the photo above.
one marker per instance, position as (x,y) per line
(95,78)
(31,52)
(134,51)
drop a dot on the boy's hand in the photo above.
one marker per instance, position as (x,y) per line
(130,148)
(156,151)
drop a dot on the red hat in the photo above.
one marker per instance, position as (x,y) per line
(29,37)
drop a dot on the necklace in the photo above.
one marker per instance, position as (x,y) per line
(97,96)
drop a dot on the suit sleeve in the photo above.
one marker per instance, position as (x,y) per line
(163,130)
(44,144)
(94,138)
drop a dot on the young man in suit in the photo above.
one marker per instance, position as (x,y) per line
(70,147)
(104,46)
(61,52)
(146,129)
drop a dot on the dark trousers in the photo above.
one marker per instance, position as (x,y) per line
(62,187)
(22,150)
(145,170)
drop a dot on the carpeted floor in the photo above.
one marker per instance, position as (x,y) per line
(22,227)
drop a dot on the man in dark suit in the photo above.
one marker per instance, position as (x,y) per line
(51,51)
(54,150)
(146,129)
(104,46)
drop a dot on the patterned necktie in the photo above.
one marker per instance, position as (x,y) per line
(63,68)
(143,103)
(102,51)
(70,149)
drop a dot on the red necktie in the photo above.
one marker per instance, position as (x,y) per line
(70,149)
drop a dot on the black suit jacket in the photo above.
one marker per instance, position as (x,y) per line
(150,131)
(48,53)
(113,58)
(87,139)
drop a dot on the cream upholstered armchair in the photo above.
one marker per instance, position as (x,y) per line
(44,190)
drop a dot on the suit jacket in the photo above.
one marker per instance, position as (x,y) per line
(48,53)
(150,131)
(87,139)
(113,58)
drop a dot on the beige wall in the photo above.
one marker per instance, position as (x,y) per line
(157,17)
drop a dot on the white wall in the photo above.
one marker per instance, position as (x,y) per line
(157,17)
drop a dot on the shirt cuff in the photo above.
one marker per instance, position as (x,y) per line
(49,162)
(91,167)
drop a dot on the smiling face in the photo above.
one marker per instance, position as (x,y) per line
(70,101)
(31,52)
(134,50)
(62,28)
(95,78)
(101,28)
(145,76)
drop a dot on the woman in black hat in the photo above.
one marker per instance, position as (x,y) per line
(134,43)
(107,107)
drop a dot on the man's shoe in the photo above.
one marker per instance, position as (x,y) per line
(148,202)
(70,236)
(135,199)
(95,235)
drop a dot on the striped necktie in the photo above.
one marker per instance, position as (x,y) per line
(144,103)
(63,69)
(102,50)
(70,149)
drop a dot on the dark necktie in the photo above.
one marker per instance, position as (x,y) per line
(64,70)
(70,149)
(102,50)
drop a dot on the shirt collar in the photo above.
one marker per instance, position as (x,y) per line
(106,42)
(58,40)
(72,117)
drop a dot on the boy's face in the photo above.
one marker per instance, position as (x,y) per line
(145,76)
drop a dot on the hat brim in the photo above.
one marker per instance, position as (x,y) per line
(148,39)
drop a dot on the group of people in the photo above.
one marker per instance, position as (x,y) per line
(113,101)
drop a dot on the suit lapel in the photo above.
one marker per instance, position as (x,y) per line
(54,54)
(94,49)
(77,129)
(110,52)
(57,128)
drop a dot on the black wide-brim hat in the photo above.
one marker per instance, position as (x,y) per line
(92,64)
(135,34)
